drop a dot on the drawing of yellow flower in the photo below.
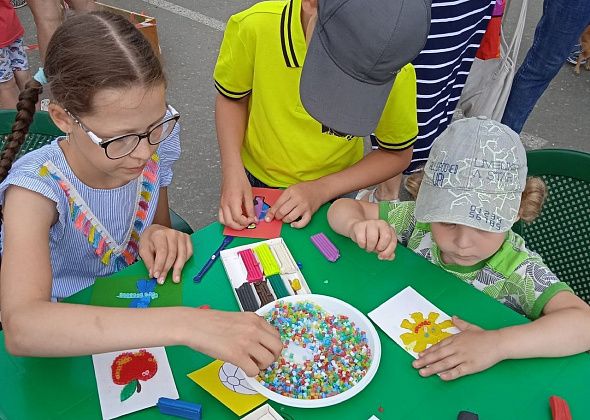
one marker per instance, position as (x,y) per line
(424,332)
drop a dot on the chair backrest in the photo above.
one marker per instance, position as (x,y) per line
(41,132)
(561,234)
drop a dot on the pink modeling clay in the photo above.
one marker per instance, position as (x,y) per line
(252,266)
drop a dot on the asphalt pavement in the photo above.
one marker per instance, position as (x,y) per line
(190,32)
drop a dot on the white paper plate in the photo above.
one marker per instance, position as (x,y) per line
(335,307)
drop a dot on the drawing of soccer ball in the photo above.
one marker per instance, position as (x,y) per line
(233,378)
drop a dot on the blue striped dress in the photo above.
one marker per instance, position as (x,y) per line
(96,228)
(456,30)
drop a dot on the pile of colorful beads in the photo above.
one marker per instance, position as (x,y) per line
(340,352)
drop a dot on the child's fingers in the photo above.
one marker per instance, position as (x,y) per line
(280,210)
(430,357)
(303,221)
(189,246)
(271,337)
(147,255)
(443,365)
(389,252)
(161,253)
(359,235)
(237,215)
(228,219)
(271,213)
(458,371)
(372,237)
(248,366)
(249,207)
(385,238)
(294,214)
(172,245)
(181,257)
(262,356)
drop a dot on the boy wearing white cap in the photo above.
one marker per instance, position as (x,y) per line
(473,189)
(300,83)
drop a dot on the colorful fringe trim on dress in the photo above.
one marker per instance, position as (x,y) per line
(86,222)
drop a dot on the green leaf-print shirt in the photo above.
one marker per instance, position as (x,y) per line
(514,275)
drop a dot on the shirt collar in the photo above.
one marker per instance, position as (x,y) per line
(292,37)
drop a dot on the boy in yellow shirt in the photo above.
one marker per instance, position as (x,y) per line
(356,80)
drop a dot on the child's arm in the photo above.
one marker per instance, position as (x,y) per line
(302,200)
(161,247)
(231,117)
(564,329)
(34,326)
(359,220)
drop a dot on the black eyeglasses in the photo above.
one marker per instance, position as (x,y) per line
(121,146)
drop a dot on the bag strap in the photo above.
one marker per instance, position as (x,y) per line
(511,51)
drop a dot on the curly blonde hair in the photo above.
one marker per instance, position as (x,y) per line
(531,203)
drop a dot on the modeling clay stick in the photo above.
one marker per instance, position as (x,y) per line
(559,409)
(252,266)
(295,285)
(179,408)
(267,260)
(284,258)
(278,286)
(247,298)
(263,292)
(326,247)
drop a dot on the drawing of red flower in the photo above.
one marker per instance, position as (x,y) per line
(130,368)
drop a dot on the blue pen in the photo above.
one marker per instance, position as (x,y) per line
(226,241)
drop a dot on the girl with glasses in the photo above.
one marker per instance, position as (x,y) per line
(96,200)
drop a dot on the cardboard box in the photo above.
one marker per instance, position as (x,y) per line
(147,25)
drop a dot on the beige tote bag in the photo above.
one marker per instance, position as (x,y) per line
(489,81)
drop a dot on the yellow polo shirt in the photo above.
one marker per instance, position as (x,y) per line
(262,55)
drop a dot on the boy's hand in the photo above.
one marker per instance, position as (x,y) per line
(297,204)
(241,338)
(375,236)
(162,248)
(470,351)
(236,198)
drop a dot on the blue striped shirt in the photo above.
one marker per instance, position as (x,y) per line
(456,30)
(74,263)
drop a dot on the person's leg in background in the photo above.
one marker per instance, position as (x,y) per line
(8,88)
(81,6)
(559,28)
(19,63)
(48,15)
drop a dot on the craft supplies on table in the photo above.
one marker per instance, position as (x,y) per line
(331,351)
(262,272)
(325,246)
(179,408)
(224,244)
(266,412)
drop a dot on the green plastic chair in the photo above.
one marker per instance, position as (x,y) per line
(42,132)
(561,234)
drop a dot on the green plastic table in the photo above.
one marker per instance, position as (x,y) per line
(65,388)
